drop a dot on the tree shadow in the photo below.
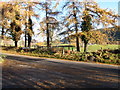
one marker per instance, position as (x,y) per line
(49,79)
(59,75)
(24,59)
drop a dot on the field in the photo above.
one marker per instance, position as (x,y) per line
(93,48)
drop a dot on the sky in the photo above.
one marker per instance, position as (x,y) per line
(110,4)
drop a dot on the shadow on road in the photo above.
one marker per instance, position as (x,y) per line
(19,72)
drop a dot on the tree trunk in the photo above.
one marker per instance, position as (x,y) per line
(47,30)
(29,40)
(2,34)
(48,39)
(77,39)
(16,43)
(29,33)
(77,44)
(2,13)
(85,47)
(76,29)
(26,34)
(25,39)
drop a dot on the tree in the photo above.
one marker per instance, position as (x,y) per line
(3,18)
(86,26)
(28,15)
(72,19)
(92,16)
(49,22)
(30,32)
(14,18)
(97,37)
(25,11)
(16,29)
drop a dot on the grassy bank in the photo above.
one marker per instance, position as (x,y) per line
(104,55)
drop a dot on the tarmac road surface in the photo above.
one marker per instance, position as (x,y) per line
(20,71)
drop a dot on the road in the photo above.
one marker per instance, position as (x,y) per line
(20,71)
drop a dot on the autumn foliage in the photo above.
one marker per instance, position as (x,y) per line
(80,21)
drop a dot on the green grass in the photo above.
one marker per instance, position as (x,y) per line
(93,48)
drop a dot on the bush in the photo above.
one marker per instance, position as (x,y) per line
(43,51)
(2,57)
(9,48)
(102,56)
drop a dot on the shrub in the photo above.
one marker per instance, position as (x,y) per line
(103,56)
